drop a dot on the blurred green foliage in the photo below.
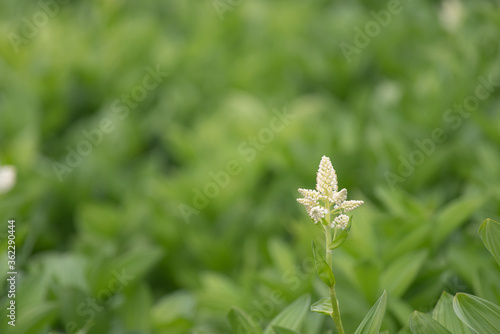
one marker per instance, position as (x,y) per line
(108,249)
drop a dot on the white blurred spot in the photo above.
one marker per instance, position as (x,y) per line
(7,178)
(388,93)
(451,14)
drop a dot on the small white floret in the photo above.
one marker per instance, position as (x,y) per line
(317,213)
(341,221)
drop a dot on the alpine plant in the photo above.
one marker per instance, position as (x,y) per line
(327,207)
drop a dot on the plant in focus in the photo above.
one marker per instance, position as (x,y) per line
(327,207)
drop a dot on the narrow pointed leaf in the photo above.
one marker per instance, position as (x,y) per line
(339,240)
(490,234)
(478,314)
(445,315)
(323,268)
(373,320)
(342,237)
(292,316)
(421,323)
(323,306)
(241,323)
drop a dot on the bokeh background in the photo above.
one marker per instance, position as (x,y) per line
(159,146)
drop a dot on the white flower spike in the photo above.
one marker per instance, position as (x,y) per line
(326,179)
(319,202)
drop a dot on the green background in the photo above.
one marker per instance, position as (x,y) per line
(132,205)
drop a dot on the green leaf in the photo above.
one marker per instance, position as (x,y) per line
(490,234)
(323,269)
(292,316)
(342,237)
(339,240)
(136,312)
(485,280)
(35,317)
(405,330)
(281,255)
(399,275)
(137,261)
(454,215)
(241,323)
(373,320)
(324,306)
(313,323)
(282,330)
(399,308)
(70,299)
(480,315)
(90,218)
(174,306)
(421,323)
(410,242)
(220,293)
(67,269)
(125,269)
(367,278)
(445,315)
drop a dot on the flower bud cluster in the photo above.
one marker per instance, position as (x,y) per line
(319,202)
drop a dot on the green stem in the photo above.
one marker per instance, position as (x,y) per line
(333,296)
(336,311)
